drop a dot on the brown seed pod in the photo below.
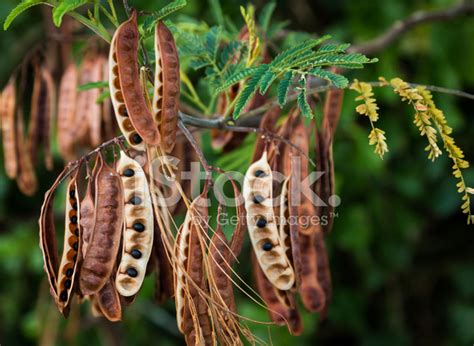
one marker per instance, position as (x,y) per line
(261,224)
(108,301)
(167,86)
(26,179)
(87,219)
(137,240)
(66,112)
(125,47)
(324,274)
(87,116)
(71,247)
(42,107)
(104,244)
(268,123)
(164,286)
(7,110)
(279,312)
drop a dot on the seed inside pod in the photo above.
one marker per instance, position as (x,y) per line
(139,227)
(73,219)
(132,272)
(63,296)
(75,246)
(259,173)
(136,253)
(67,284)
(258,199)
(267,246)
(136,138)
(74,206)
(261,223)
(72,194)
(69,272)
(135,200)
(128,172)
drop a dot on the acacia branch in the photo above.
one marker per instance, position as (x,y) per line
(465,8)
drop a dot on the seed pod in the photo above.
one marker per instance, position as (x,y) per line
(124,47)
(167,86)
(66,112)
(164,286)
(324,274)
(87,116)
(26,179)
(7,110)
(87,219)
(71,247)
(138,231)
(279,312)
(108,301)
(104,244)
(268,123)
(262,227)
(42,106)
(238,236)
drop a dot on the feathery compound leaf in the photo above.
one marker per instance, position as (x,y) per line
(333,48)
(212,39)
(266,15)
(284,87)
(335,79)
(267,79)
(64,7)
(216,10)
(249,90)
(19,9)
(303,104)
(297,50)
(170,8)
(238,76)
(228,52)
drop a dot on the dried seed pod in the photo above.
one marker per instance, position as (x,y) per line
(138,231)
(164,286)
(324,273)
(42,106)
(108,302)
(124,48)
(104,244)
(167,86)
(71,247)
(66,112)
(87,219)
(279,312)
(268,123)
(26,179)
(7,110)
(262,227)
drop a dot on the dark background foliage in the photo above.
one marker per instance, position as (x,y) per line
(401,254)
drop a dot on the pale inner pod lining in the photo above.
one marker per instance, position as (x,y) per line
(158,87)
(138,227)
(181,251)
(117,99)
(262,227)
(67,268)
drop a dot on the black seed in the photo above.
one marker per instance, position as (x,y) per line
(259,173)
(74,206)
(69,272)
(267,246)
(136,253)
(63,296)
(73,219)
(135,200)
(76,232)
(132,272)
(136,139)
(125,112)
(139,227)
(258,199)
(75,246)
(261,223)
(67,284)
(72,193)
(74,258)
(128,172)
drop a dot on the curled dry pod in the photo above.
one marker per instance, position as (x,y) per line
(42,107)
(279,312)
(261,225)
(26,178)
(125,49)
(166,89)
(71,247)
(87,219)
(108,301)
(66,112)
(7,110)
(108,222)
(137,240)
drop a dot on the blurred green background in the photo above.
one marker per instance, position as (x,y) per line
(401,253)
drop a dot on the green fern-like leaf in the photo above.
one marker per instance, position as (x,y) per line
(284,87)
(333,48)
(19,9)
(296,51)
(64,7)
(170,8)
(335,79)
(240,75)
(303,104)
(267,79)
(249,90)
(266,15)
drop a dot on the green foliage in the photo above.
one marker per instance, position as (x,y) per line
(19,9)
(93,85)
(64,7)
(266,15)
(302,101)
(284,87)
